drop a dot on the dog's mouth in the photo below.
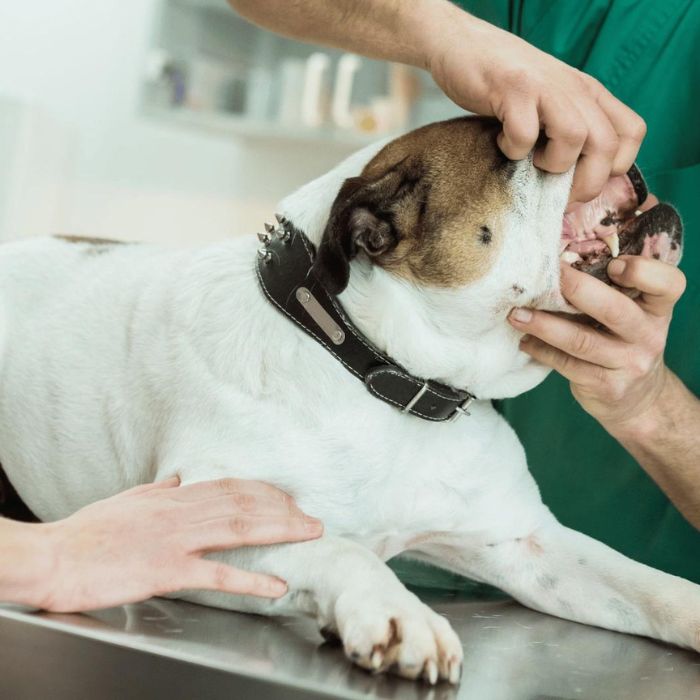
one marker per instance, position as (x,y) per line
(624,219)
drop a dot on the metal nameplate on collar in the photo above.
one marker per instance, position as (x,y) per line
(320,315)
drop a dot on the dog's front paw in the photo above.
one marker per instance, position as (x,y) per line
(396,632)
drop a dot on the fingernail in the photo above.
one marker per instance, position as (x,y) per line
(525,339)
(278,587)
(312,524)
(521,315)
(617,267)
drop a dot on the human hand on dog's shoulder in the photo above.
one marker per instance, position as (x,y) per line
(149,541)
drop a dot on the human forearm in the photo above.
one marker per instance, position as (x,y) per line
(386,29)
(665,440)
(26,562)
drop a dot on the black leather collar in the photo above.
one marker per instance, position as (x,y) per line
(287,280)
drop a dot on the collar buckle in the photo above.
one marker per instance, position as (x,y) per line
(461,410)
(416,398)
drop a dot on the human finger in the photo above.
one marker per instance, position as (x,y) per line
(601,302)
(228,486)
(577,339)
(565,131)
(212,575)
(250,530)
(630,127)
(169,483)
(241,503)
(575,370)
(661,284)
(521,125)
(597,155)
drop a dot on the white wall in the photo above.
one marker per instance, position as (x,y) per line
(91,163)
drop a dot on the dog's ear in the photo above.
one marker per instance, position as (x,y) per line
(361,219)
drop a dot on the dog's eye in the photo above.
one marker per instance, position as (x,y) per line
(485,235)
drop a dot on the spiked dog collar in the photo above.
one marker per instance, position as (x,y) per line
(284,268)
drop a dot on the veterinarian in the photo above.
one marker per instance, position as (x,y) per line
(147,541)
(616,404)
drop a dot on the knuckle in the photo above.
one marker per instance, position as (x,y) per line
(573,134)
(613,316)
(656,344)
(637,128)
(244,501)
(608,144)
(582,342)
(638,363)
(679,284)
(239,526)
(517,79)
(600,375)
(227,485)
(615,389)
(220,575)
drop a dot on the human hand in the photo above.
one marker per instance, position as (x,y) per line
(150,541)
(616,375)
(492,72)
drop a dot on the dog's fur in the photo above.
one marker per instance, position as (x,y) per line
(122,364)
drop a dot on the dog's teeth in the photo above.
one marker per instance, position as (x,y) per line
(568,256)
(637,212)
(376,659)
(613,242)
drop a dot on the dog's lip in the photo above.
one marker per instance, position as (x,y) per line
(594,232)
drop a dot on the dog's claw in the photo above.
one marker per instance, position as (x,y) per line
(376,659)
(430,673)
(454,670)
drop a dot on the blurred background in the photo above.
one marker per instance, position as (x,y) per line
(176,120)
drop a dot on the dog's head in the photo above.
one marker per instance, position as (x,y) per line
(441,206)
(442,212)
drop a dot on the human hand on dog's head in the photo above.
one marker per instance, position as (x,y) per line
(616,373)
(150,541)
(489,71)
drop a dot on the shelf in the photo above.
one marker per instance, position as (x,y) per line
(241,127)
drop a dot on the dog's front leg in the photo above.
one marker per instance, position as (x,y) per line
(565,573)
(354,596)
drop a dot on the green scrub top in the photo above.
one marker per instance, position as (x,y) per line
(646,53)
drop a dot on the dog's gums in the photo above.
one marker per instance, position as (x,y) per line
(623,219)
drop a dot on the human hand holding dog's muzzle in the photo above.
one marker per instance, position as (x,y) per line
(150,540)
(618,373)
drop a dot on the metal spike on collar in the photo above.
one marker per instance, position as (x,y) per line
(269,228)
(265,255)
(282,231)
(265,238)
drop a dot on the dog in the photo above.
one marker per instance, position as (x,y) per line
(121,364)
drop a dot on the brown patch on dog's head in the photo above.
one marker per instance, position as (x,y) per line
(428,207)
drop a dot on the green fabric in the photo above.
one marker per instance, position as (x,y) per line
(646,53)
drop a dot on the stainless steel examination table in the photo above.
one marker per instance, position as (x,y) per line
(170,649)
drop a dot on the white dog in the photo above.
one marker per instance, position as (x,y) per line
(123,364)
